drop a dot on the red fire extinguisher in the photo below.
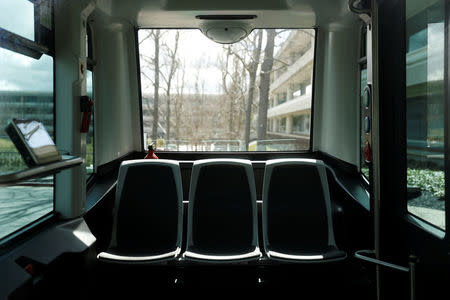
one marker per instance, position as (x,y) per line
(86,108)
(151,153)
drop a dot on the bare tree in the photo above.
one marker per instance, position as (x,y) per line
(179,103)
(253,68)
(264,83)
(156,35)
(147,70)
(248,52)
(234,87)
(173,63)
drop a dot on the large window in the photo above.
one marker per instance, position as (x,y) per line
(90,145)
(26,92)
(425,110)
(198,95)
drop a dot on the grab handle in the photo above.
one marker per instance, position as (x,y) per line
(364,255)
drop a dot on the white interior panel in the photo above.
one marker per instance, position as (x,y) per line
(116,90)
(336,93)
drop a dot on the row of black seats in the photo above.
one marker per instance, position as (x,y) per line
(222,221)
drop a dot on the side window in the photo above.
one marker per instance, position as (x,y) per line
(26,92)
(90,145)
(425,107)
(365,108)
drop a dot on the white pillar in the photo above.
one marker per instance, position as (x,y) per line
(70,71)
(289,122)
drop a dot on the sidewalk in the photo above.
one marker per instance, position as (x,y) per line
(20,205)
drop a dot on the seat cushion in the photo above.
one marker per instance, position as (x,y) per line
(147,216)
(297,218)
(222,220)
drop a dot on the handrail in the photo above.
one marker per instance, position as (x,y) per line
(360,254)
(39,171)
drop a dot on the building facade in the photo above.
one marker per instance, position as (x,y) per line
(289,114)
(26,105)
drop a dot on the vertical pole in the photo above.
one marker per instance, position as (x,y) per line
(412,276)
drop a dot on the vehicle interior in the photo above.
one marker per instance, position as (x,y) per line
(179,146)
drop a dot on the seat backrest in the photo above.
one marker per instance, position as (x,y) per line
(148,211)
(222,217)
(296,206)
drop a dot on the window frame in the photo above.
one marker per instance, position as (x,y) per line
(253,155)
(24,46)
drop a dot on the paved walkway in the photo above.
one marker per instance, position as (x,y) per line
(428,207)
(20,205)
(434,216)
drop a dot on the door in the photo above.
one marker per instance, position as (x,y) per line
(411,169)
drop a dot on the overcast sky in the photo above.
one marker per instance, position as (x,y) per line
(19,72)
(199,55)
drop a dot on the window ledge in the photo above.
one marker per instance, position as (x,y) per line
(437,232)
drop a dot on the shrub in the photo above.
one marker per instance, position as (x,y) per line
(428,180)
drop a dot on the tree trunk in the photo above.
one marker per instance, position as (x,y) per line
(264,84)
(179,107)
(173,69)
(251,90)
(168,116)
(156,92)
(230,121)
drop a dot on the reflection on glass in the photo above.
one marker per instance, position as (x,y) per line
(90,135)
(35,135)
(214,97)
(425,110)
(363,83)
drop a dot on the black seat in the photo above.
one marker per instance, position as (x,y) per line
(222,217)
(148,213)
(296,214)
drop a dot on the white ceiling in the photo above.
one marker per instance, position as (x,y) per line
(270,13)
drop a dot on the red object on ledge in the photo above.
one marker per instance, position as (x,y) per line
(151,153)
(367,153)
(86,119)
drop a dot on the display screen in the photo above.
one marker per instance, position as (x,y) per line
(35,134)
